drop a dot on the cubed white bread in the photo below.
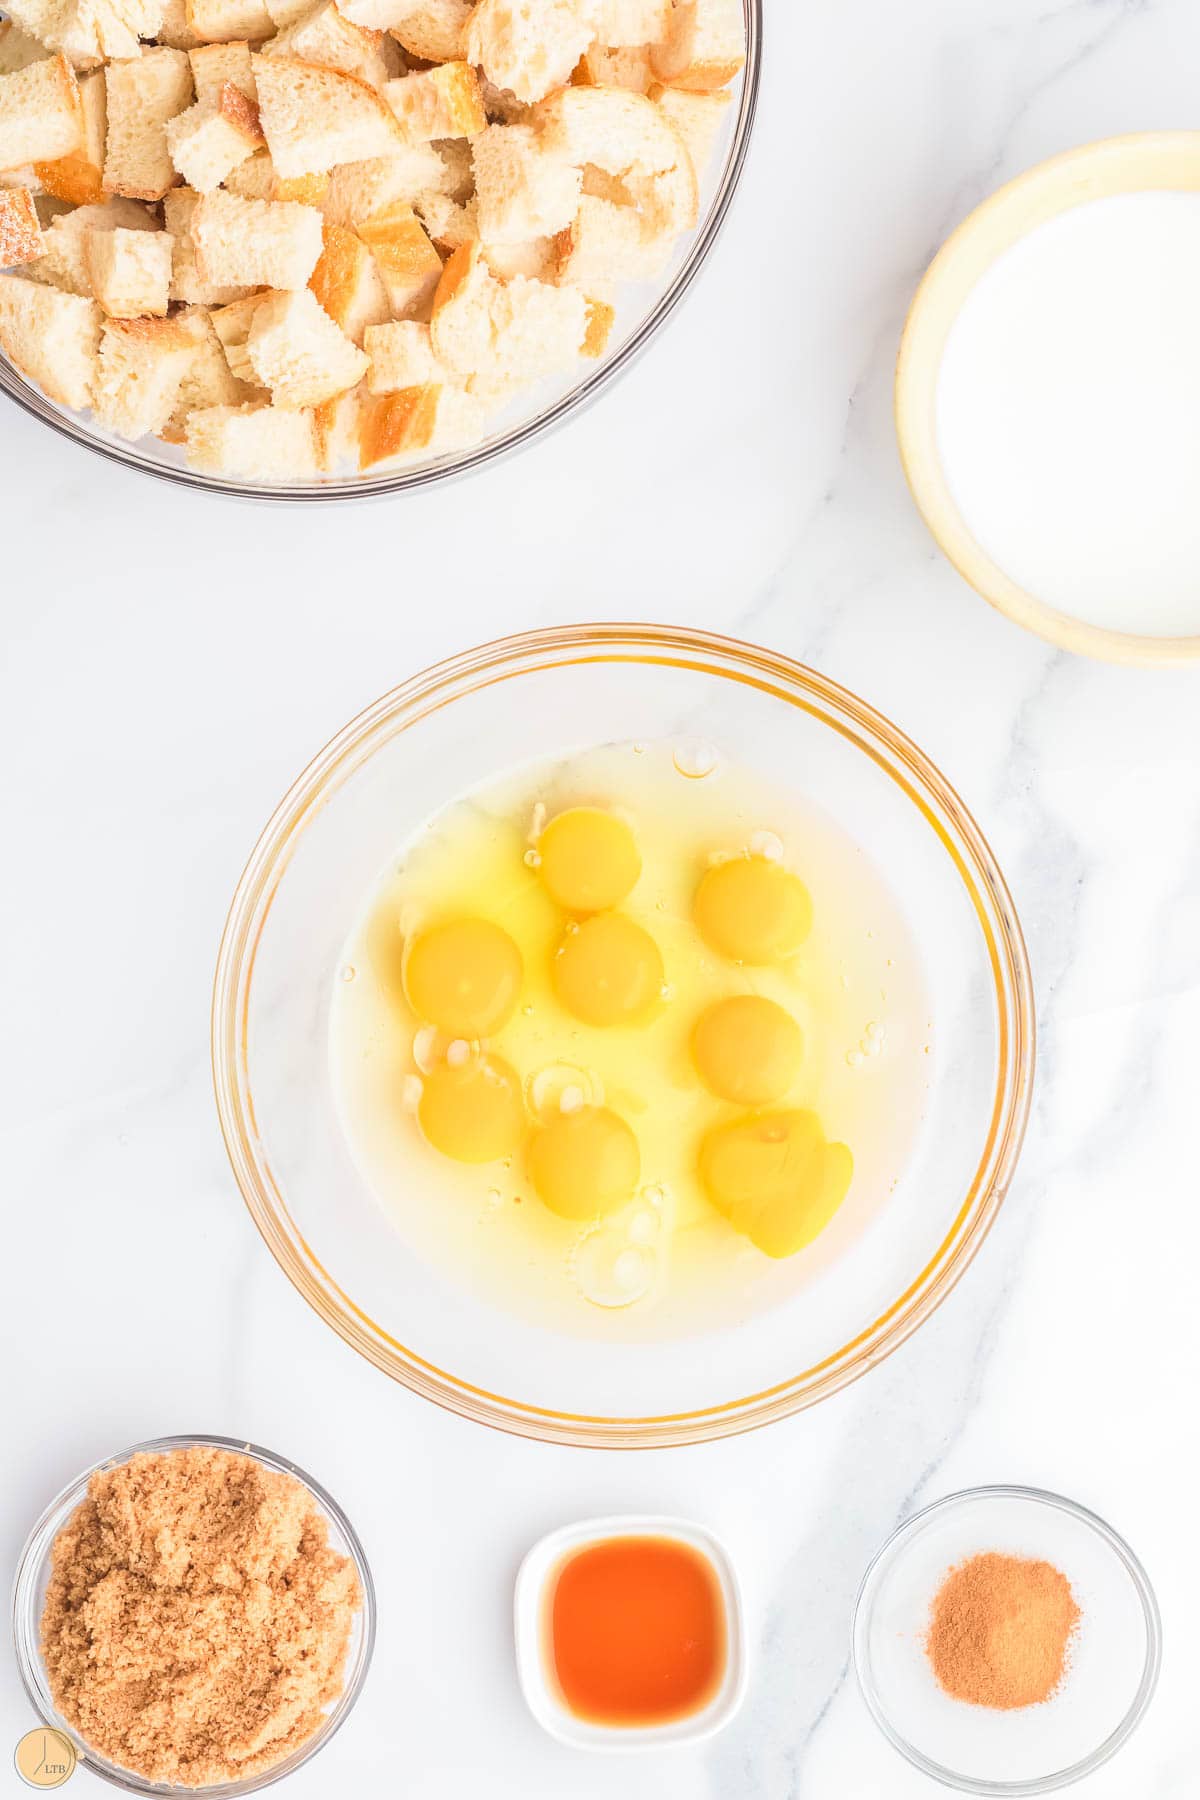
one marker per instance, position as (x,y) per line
(538,259)
(252,443)
(360,190)
(624,22)
(230,21)
(213,138)
(297,351)
(537,329)
(175,30)
(315,118)
(347,283)
(24,177)
(187,283)
(331,41)
(529,47)
(143,96)
(697,118)
(258,179)
(619,131)
(461,321)
(502,106)
(18,48)
(628,67)
(401,356)
(41,114)
(524,189)
(458,168)
(705,45)
(122,23)
(437,103)
(213,65)
(207,381)
(336,427)
(288,12)
(408,264)
(448,224)
(130,271)
(255,243)
(431,420)
(88,31)
(21,239)
(64,261)
(141,368)
(51,337)
(432,30)
(231,326)
(79,178)
(607,243)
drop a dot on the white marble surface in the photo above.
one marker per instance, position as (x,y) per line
(169,664)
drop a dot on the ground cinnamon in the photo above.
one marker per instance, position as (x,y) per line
(197,1621)
(1001,1631)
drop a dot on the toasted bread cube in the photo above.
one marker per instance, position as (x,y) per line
(449,225)
(286,13)
(528,46)
(21,239)
(41,114)
(141,368)
(524,190)
(445,102)
(130,272)
(231,326)
(79,178)
(64,262)
(336,429)
(297,351)
(609,243)
(207,381)
(461,322)
(230,21)
(621,132)
(258,179)
(401,356)
(187,283)
(255,243)
(696,117)
(213,65)
(88,31)
(361,190)
(143,97)
(429,420)
(174,31)
(315,118)
(252,443)
(705,45)
(628,67)
(210,140)
(537,329)
(348,284)
(624,22)
(433,30)
(537,259)
(18,48)
(51,337)
(331,41)
(409,266)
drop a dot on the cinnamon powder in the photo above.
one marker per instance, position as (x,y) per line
(197,1621)
(1001,1631)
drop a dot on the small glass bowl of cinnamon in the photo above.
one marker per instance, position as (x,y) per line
(1006,1641)
(34,1579)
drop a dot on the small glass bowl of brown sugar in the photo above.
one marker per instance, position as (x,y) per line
(1006,1641)
(208,1536)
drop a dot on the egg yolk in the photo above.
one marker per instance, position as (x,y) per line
(464,977)
(747,1049)
(775,1178)
(751,910)
(473,1113)
(585,1164)
(608,971)
(589,859)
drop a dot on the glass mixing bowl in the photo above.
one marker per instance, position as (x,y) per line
(641,309)
(33,1579)
(441,735)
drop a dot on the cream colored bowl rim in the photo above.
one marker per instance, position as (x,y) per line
(1139,162)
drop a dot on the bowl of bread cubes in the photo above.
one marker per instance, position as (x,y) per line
(306,249)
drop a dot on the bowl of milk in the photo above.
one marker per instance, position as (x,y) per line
(1048,399)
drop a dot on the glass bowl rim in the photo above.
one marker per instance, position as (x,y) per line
(778,677)
(30,399)
(894,1545)
(26,1627)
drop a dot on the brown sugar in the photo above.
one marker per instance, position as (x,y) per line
(1001,1631)
(197,1621)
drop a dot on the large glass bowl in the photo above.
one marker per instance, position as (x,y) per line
(29,1600)
(439,736)
(641,309)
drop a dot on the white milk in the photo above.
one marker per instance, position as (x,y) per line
(1068,413)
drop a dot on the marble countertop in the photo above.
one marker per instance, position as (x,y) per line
(170,663)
